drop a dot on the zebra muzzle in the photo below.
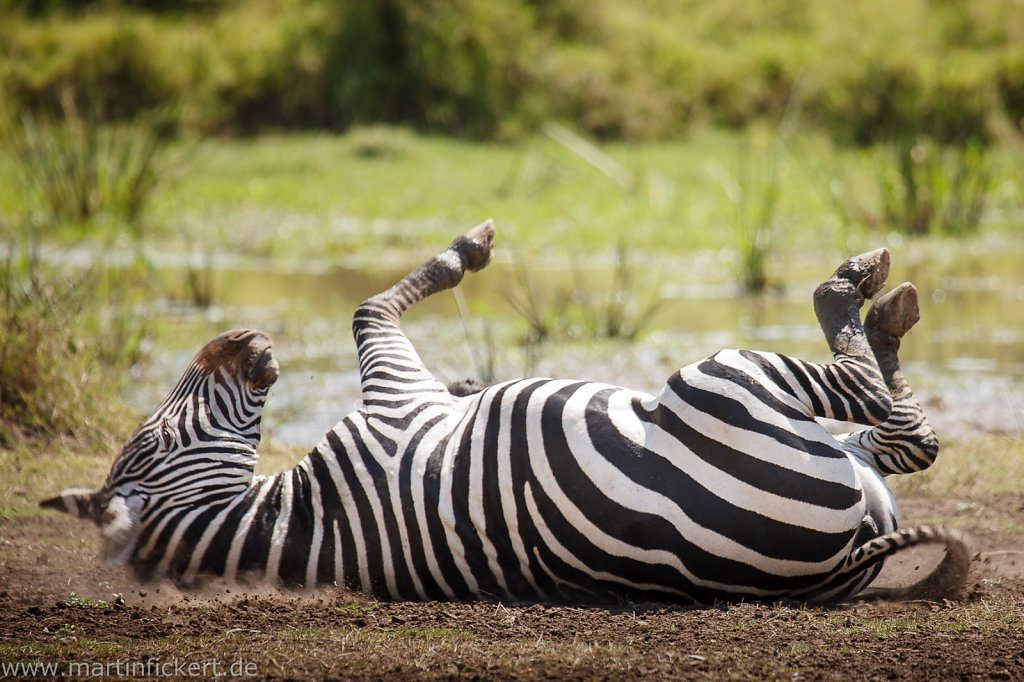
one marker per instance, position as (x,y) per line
(266,370)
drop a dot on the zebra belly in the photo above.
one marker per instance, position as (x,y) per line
(577,490)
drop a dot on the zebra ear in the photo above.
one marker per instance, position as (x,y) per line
(120,527)
(78,502)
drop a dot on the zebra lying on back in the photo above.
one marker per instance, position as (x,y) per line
(721,487)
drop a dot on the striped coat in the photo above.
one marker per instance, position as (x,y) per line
(722,486)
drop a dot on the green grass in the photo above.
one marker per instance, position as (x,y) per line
(861,70)
(79,171)
(382,196)
(290,198)
(985,463)
(978,615)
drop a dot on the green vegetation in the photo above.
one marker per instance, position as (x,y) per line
(985,463)
(56,345)
(77,170)
(74,601)
(583,310)
(955,620)
(862,71)
(753,191)
(65,330)
(292,198)
(69,335)
(609,126)
(933,189)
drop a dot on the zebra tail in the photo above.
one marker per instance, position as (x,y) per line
(949,578)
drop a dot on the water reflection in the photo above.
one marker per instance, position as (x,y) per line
(965,358)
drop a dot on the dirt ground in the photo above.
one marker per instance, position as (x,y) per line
(59,607)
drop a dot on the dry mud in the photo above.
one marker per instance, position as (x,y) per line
(59,607)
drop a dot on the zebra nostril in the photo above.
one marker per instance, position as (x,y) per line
(265,370)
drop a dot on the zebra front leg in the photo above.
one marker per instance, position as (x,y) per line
(384,351)
(905,441)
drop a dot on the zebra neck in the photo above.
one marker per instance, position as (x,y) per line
(263,532)
(276,520)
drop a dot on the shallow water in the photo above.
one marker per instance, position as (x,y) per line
(965,359)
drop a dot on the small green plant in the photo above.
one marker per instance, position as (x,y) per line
(59,337)
(622,316)
(76,601)
(934,189)
(753,194)
(77,169)
(65,630)
(379,141)
(578,311)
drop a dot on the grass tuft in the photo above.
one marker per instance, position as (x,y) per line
(981,464)
(934,189)
(51,377)
(753,193)
(379,141)
(577,311)
(76,169)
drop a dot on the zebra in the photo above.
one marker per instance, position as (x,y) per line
(722,487)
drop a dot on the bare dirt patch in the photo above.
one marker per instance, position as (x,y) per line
(58,606)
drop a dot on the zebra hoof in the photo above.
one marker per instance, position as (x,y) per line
(867,272)
(476,247)
(858,278)
(896,312)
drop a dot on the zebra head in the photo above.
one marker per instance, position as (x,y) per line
(197,448)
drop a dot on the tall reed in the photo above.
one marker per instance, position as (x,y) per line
(580,311)
(753,192)
(928,188)
(76,169)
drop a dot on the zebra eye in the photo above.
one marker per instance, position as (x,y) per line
(167,434)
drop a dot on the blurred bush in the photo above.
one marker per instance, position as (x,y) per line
(75,170)
(928,189)
(864,71)
(64,340)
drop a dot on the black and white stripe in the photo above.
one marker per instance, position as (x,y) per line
(723,486)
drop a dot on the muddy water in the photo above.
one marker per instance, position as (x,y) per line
(965,359)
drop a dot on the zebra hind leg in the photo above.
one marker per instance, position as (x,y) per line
(852,386)
(837,301)
(904,442)
(889,318)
